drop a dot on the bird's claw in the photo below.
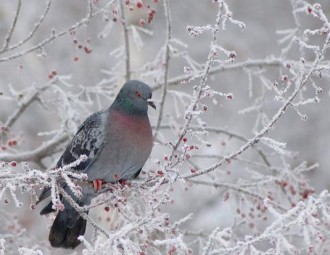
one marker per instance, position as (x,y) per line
(97,184)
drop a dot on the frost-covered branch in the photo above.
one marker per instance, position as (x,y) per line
(26,101)
(277,115)
(203,79)
(238,190)
(203,191)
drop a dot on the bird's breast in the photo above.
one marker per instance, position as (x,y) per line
(135,129)
(128,145)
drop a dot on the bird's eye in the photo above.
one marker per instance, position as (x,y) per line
(138,94)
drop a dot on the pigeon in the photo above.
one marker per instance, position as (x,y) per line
(117,143)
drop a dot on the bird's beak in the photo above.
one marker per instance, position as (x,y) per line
(151,103)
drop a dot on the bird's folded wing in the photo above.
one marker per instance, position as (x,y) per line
(89,140)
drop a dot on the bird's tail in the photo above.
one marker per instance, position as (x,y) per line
(66,228)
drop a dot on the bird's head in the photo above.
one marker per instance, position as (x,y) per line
(134,97)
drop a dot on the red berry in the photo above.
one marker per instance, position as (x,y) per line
(293,190)
(305,194)
(151,14)
(142,22)
(184,139)
(309,9)
(160,173)
(139,5)
(13,163)
(232,55)
(107,209)
(87,50)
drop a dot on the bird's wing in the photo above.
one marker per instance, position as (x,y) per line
(89,140)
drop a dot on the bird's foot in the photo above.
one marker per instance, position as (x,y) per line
(97,184)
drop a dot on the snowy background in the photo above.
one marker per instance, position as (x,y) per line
(86,68)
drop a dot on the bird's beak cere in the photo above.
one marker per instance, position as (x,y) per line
(151,103)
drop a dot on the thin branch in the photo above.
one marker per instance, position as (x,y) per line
(203,80)
(12,28)
(257,63)
(166,65)
(34,30)
(126,40)
(26,102)
(237,190)
(36,154)
(266,129)
(55,35)
(209,245)
(224,131)
(276,62)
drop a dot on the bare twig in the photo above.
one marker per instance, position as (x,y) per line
(238,190)
(34,30)
(56,35)
(224,131)
(276,62)
(26,102)
(36,154)
(166,65)
(126,41)
(12,28)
